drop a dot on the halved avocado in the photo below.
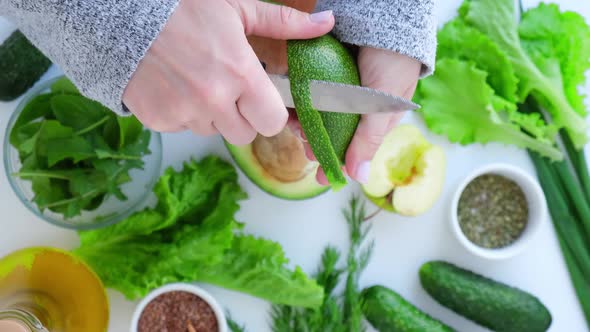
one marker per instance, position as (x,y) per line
(278,166)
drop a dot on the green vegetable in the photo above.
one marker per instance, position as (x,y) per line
(501,63)
(563,60)
(234,326)
(328,133)
(457,40)
(538,75)
(487,302)
(388,311)
(191,235)
(21,65)
(480,116)
(339,311)
(568,207)
(74,150)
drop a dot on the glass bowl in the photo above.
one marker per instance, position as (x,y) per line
(111,210)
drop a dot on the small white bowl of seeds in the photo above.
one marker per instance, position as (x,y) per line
(179,307)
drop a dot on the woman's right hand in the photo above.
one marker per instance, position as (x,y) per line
(201,73)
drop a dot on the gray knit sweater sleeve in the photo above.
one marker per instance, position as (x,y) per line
(97,43)
(404,26)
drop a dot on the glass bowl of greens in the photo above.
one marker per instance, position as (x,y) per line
(73,162)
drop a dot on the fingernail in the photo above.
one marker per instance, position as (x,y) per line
(321,17)
(362,172)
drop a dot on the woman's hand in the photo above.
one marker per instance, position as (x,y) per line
(381,70)
(389,72)
(201,74)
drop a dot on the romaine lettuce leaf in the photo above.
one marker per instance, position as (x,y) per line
(191,235)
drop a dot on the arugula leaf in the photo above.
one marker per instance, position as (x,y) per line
(480,116)
(38,107)
(48,190)
(77,112)
(75,148)
(25,137)
(191,235)
(64,85)
(130,130)
(497,19)
(61,132)
(122,131)
(133,151)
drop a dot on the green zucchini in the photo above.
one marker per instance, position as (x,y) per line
(388,311)
(486,302)
(21,65)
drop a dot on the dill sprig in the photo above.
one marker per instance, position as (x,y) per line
(233,325)
(339,312)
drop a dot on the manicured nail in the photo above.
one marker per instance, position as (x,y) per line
(321,17)
(362,172)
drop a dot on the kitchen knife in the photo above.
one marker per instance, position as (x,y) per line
(344,98)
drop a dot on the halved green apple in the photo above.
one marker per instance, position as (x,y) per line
(407,172)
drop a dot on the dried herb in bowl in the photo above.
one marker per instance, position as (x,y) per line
(492,211)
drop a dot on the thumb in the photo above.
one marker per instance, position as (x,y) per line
(368,137)
(281,22)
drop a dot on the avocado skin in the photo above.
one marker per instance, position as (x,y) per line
(388,311)
(489,303)
(323,58)
(21,65)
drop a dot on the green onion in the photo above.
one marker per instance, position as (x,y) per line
(567,192)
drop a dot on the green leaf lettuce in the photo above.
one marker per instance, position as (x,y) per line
(476,114)
(498,20)
(191,235)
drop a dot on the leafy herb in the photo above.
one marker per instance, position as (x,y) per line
(75,151)
(490,63)
(339,312)
(234,326)
(191,235)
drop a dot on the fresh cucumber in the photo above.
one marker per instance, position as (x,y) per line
(388,311)
(489,303)
(21,65)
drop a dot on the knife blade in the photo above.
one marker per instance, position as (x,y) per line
(344,98)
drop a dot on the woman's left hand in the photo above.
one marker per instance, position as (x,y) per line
(387,71)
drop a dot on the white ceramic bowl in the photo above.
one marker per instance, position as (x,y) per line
(536,204)
(186,287)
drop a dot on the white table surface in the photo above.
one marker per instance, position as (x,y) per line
(304,228)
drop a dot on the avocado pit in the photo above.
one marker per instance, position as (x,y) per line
(282,156)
